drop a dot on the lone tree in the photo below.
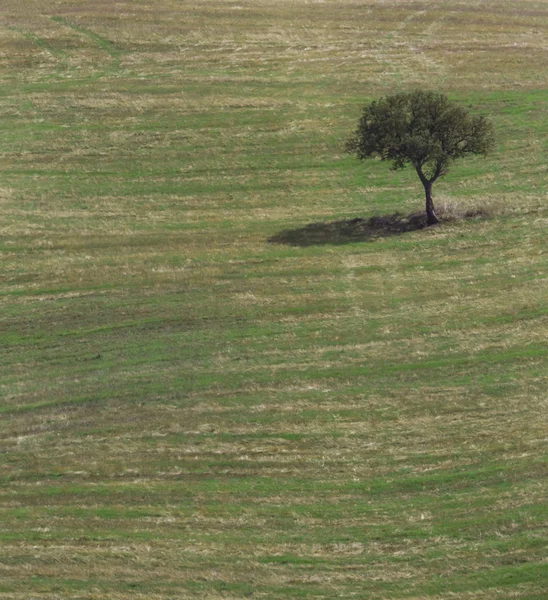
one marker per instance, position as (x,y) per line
(424,129)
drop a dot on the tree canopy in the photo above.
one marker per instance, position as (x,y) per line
(424,129)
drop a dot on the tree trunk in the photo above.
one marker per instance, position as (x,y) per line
(431,218)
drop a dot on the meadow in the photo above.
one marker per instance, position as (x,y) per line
(191,411)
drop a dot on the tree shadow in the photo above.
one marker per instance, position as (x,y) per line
(352,230)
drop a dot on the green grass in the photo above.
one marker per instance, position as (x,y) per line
(190,411)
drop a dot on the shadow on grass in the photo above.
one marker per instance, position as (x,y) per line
(364,230)
(349,231)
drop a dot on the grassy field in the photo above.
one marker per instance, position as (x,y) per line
(191,411)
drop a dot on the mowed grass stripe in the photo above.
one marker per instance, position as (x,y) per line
(191,411)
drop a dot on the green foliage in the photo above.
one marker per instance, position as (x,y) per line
(424,129)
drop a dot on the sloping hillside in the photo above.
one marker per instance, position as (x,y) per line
(191,411)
